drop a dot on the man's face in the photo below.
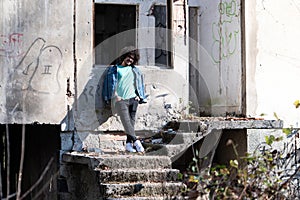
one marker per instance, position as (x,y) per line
(128,60)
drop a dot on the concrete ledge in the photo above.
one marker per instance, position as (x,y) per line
(200,129)
(118,161)
(247,124)
(170,150)
(202,124)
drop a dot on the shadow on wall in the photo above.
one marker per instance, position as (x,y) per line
(88,112)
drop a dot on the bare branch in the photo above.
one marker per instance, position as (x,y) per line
(39,180)
(7,161)
(21,163)
(0,183)
(45,185)
(10,196)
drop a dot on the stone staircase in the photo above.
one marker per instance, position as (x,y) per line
(128,176)
(111,173)
(177,137)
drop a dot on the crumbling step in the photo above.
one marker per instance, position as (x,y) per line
(170,150)
(133,175)
(135,161)
(176,137)
(172,145)
(117,142)
(105,162)
(138,176)
(148,198)
(143,189)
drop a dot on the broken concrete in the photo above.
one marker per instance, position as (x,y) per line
(177,136)
(140,176)
(131,175)
(95,160)
(115,176)
(166,189)
(210,131)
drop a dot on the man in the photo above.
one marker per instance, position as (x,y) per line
(124,88)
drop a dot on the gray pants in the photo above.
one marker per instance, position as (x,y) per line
(126,109)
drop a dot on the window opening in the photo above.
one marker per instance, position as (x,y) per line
(110,20)
(162,55)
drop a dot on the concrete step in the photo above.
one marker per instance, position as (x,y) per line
(149,198)
(135,175)
(173,138)
(117,142)
(137,161)
(117,139)
(142,189)
(169,150)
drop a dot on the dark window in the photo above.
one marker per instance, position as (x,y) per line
(114,28)
(161,52)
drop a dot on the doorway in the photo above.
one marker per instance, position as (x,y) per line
(114,28)
(194,61)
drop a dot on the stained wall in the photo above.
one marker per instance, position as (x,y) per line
(272,46)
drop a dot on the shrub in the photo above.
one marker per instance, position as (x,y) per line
(267,173)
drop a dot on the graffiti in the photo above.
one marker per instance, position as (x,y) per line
(47,69)
(11,45)
(225,33)
(90,92)
(224,40)
(39,68)
(228,9)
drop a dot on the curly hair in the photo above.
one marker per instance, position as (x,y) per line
(130,50)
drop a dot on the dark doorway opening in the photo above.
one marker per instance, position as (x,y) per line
(41,160)
(162,57)
(195,78)
(110,20)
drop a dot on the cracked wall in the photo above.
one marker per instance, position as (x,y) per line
(35,60)
(48,53)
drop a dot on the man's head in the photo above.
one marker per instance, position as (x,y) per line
(129,55)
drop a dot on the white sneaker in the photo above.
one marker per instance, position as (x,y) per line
(130,148)
(138,145)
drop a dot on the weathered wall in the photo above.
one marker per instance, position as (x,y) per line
(220,57)
(36,60)
(41,52)
(47,52)
(272,46)
(164,87)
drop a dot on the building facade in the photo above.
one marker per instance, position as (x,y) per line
(218,55)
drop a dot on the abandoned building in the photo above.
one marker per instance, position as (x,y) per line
(201,58)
